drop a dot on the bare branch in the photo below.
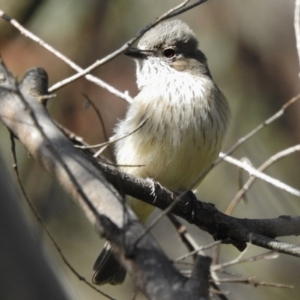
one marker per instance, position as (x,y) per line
(99,115)
(197,250)
(297,27)
(240,177)
(258,174)
(65,59)
(262,168)
(239,260)
(183,234)
(114,139)
(255,283)
(179,10)
(267,122)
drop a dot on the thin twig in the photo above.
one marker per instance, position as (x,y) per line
(186,8)
(276,157)
(258,174)
(135,293)
(216,255)
(62,57)
(157,219)
(99,115)
(202,248)
(166,211)
(239,260)
(240,177)
(217,291)
(255,283)
(297,27)
(113,139)
(267,122)
(185,237)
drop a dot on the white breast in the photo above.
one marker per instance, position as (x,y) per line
(183,132)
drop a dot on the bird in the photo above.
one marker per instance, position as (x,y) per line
(185,119)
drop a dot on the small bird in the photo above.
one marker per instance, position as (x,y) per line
(185,114)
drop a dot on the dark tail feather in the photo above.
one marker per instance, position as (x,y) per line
(107,268)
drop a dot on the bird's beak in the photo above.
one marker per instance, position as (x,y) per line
(137,53)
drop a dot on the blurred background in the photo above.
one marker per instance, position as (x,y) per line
(251,51)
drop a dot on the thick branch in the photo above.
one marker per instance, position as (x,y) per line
(207,217)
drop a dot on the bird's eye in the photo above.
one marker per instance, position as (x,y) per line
(169,53)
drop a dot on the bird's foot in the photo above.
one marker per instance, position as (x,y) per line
(154,187)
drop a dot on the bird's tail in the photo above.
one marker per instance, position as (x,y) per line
(107,268)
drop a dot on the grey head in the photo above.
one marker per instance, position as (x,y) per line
(171,45)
